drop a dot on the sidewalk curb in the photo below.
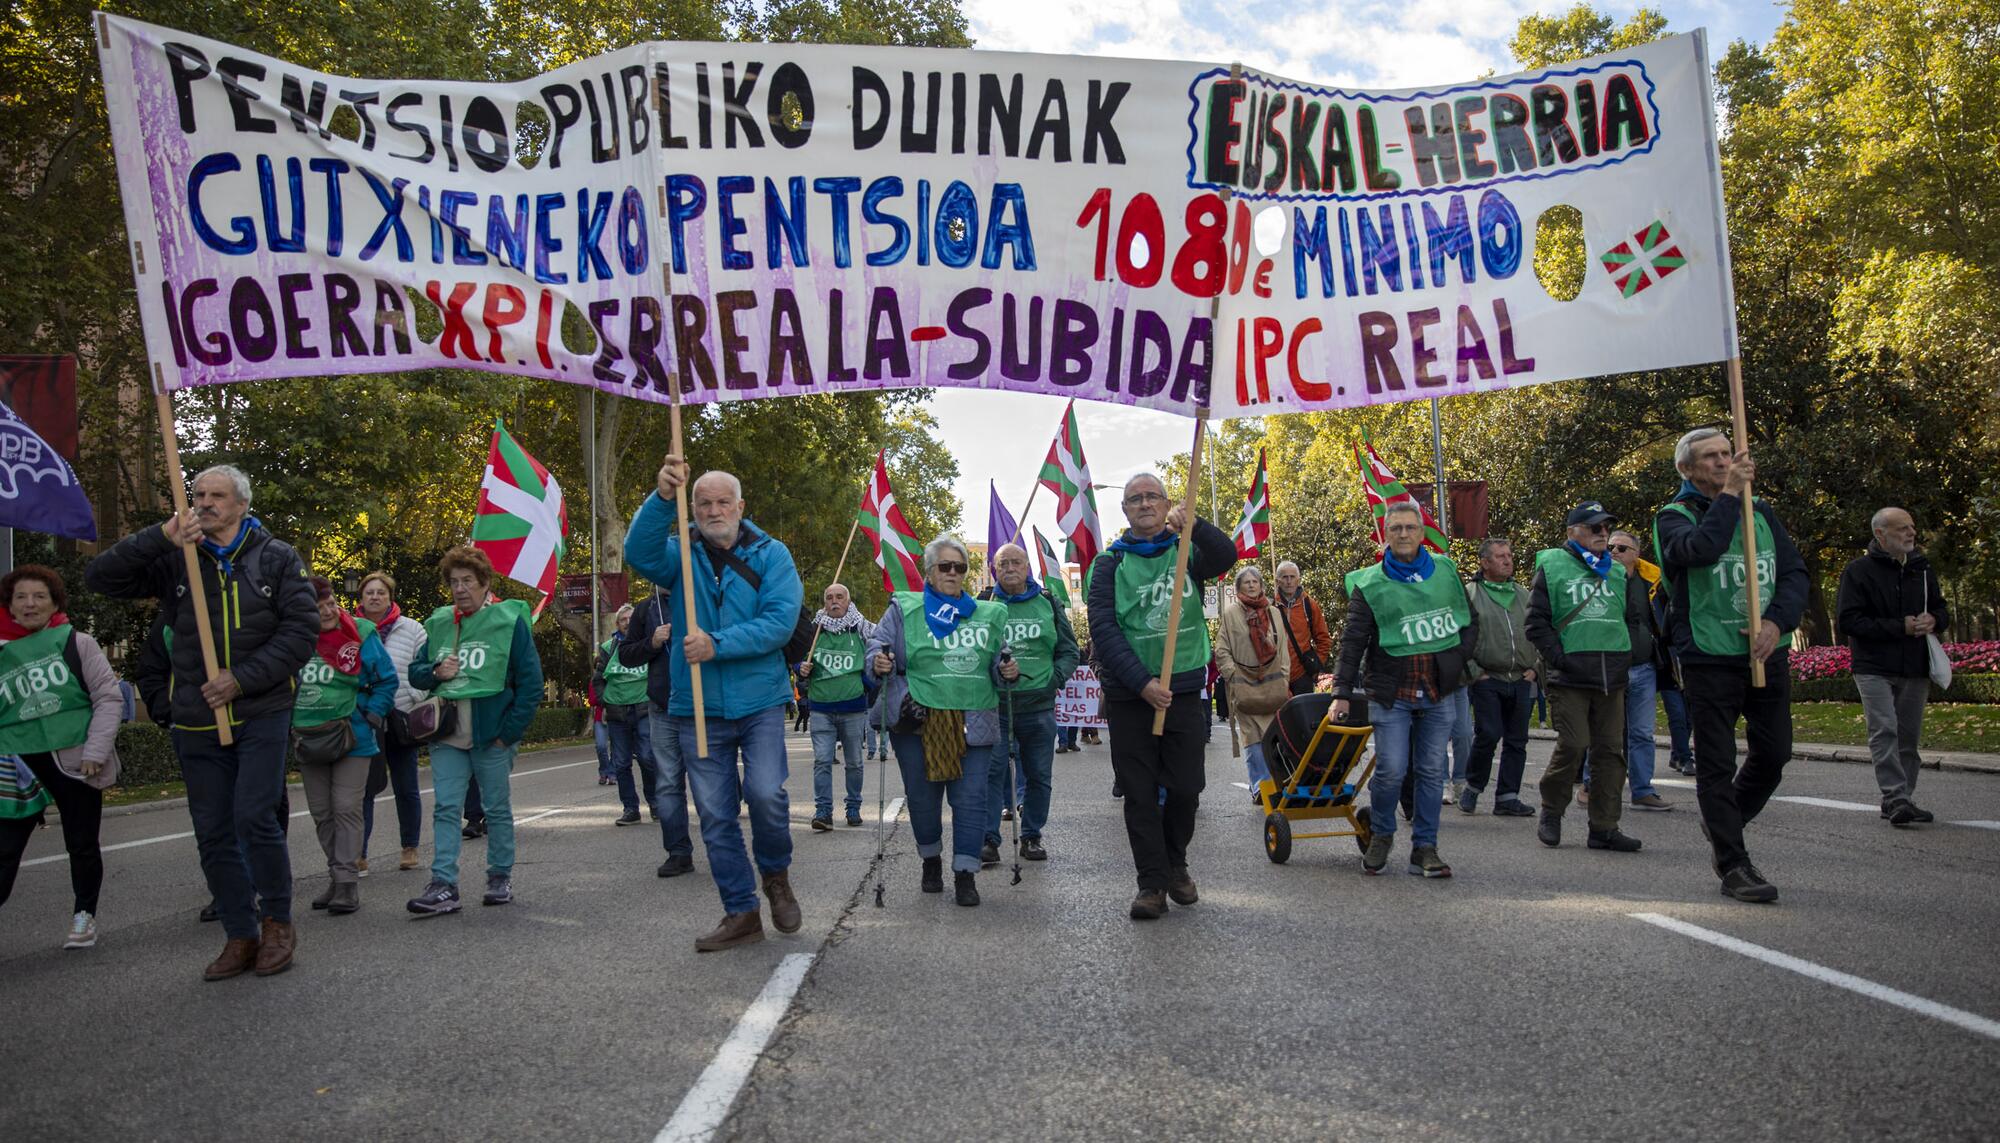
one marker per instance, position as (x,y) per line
(1960,761)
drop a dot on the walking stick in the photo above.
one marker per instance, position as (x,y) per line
(1006,742)
(882,779)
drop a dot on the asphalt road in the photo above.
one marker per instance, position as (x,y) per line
(1521,999)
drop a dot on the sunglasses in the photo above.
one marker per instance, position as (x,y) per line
(1598,529)
(1623,548)
(949,568)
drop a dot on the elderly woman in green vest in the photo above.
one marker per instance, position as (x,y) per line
(937,652)
(346,691)
(60,705)
(478,656)
(1408,635)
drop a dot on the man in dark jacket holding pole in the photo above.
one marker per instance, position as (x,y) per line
(267,620)
(1889,603)
(1585,616)
(1699,539)
(645,644)
(1131,587)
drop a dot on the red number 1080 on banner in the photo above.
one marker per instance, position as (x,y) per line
(1200,265)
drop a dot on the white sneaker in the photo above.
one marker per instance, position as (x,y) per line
(1452,790)
(82,932)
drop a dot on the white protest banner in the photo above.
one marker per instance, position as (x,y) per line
(774,219)
(1080,701)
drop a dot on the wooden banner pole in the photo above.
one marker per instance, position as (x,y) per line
(1181,553)
(1740,434)
(196,591)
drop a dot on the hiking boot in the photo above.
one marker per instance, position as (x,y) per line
(1549,831)
(210,913)
(676,864)
(325,897)
(437,897)
(238,956)
(1900,811)
(1612,840)
(821,824)
(1923,815)
(82,932)
(1744,883)
(1181,888)
(735,929)
(473,829)
(1425,862)
(1149,905)
(785,915)
(629,817)
(275,946)
(409,860)
(933,875)
(361,866)
(1377,857)
(346,899)
(1652,802)
(499,889)
(853,818)
(963,889)
(989,855)
(1513,808)
(1468,800)
(1031,849)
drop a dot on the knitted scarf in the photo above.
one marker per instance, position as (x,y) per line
(1257,617)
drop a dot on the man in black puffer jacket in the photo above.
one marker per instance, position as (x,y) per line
(1889,603)
(265,617)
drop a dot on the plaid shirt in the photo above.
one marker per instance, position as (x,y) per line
(1420,678)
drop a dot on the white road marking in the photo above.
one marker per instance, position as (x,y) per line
(1678,783)
(1971,1022)
(1977,825)
(519,822)
(1828,803)
(1246,785)
(894,809)
(707,1103)
(295,813)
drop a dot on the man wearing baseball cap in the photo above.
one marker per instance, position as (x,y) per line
(1582,618)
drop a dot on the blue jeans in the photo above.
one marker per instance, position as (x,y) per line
(1640,689)
(603,735)
(925,800)
(1034,736)
(233,795)
(721,791)
(452,769)
(670,798)
(1066,735)
(1409,736)
(1677,724)
(395,765)
(1461,733)
(846,730)
(1253,764)
(633,742)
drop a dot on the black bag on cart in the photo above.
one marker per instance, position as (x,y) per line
(1291,733)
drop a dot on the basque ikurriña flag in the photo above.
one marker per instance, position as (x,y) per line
(1383,489)
(897,551)
(522,524)
(1255,527)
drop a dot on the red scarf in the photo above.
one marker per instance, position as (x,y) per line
(11,630)
(341,647)
(387,621)
(1257,616)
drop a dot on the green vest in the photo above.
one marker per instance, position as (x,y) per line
(483,642)
(1718,600)
(952,673)
(1598,622)
(1413,618)
(1144,588)
(623,685)
(1030,630)
(836,673)
(324,693)
(43,705)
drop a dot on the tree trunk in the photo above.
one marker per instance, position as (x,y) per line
(1816,626)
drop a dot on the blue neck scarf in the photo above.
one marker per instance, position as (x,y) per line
(1416,571)
(1599,565)
(225,554)
(942,612)
(1127,542)
(1689,492)
(1027,593)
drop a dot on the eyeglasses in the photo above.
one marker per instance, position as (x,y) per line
(1623,548)
(1145,498)
(949,568)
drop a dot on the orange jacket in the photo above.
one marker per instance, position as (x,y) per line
(1306,622)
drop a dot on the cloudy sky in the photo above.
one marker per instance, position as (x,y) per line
(1372,43)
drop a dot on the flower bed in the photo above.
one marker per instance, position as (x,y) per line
(1838,662)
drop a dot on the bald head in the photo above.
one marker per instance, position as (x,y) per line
(1895,532)
(836,599)
(1010,568)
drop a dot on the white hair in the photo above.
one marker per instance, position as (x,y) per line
(623,611)
(237,478)
(1246,570)
(1152,476)
(727,478)
(1401,506)
(1286,564)
(938,545)
(1684,448)
(1880,519)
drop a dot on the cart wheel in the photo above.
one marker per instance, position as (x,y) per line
(1365,835)
(1277,838)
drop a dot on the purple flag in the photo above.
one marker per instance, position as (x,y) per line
(1000,527)
(38,489)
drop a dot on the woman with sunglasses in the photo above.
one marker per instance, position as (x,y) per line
(938,655)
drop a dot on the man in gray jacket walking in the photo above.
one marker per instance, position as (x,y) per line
(1504,688)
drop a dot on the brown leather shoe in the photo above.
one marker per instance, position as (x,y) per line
(238,955)
(735,929)
(409,857)
(784,905)
(1181,888)
(274,951)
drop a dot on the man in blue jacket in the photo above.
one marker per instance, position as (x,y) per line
(747,598)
